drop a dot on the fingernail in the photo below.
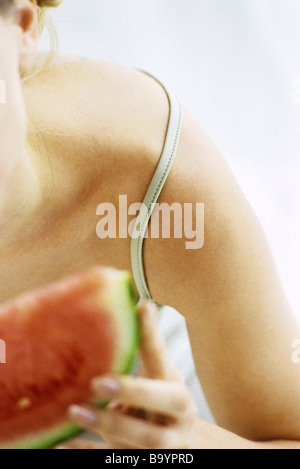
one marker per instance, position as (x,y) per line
(65,447)
(106,387)
(150,308)
(83,417)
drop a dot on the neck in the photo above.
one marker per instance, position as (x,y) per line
(21,198)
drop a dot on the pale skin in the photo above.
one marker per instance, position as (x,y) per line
(96,131)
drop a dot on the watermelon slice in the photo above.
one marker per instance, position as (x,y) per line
(57,340)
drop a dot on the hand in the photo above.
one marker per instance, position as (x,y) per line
(155,410)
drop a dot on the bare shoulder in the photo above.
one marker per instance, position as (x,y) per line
(99,109)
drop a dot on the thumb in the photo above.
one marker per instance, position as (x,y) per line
(156,362)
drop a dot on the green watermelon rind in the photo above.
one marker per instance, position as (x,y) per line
(128,321)
(48,439)
(121,297)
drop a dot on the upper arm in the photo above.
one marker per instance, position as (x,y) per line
(240,324)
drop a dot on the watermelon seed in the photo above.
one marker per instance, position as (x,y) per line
(24,403)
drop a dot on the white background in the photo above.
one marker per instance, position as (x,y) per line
(235,64)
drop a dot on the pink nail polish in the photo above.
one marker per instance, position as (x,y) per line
(83,417)
(106,387)
(69,447)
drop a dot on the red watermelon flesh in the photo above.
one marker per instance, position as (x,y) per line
(57,340)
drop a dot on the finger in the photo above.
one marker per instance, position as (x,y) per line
(136,412)
(126,431)
(155,358)
(157,396)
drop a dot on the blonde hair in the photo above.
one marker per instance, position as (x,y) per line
(45,22)
(42,8)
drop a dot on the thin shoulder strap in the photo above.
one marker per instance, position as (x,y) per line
(154,190)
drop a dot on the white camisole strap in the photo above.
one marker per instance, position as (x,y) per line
(154,190)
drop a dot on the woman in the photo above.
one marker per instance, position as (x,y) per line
(79,134)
